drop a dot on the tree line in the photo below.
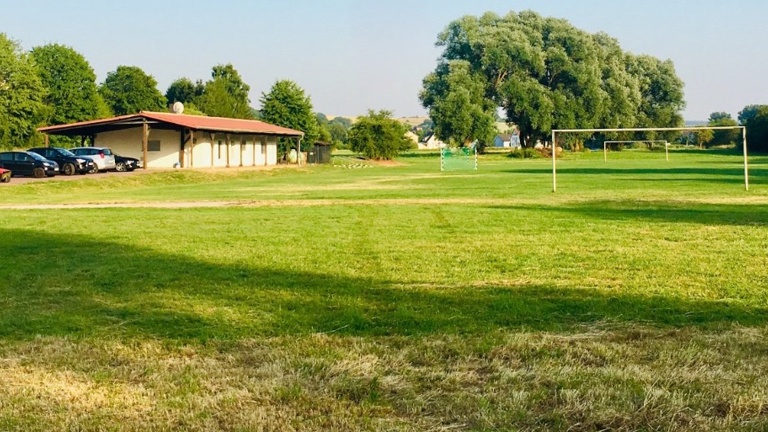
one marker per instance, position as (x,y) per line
(54,84)
(543,73)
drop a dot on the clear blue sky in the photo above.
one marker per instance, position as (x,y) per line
(352,55)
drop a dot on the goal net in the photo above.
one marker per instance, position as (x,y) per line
(458,158)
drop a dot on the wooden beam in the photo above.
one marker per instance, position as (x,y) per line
(242,145)
(228,145)
(213,138)
(182,137)
(192,150)
(254,150)
(47,140)
(144,143)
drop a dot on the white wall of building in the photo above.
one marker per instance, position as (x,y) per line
(271,151)
(128,142)
(201,152)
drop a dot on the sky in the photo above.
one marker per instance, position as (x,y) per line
(354,55)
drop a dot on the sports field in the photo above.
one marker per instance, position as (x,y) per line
(392,297)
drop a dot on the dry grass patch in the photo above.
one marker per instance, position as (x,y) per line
(598,379)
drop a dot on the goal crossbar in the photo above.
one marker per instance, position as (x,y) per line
(663,129)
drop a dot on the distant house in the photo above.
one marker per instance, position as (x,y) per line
(412,137)
(507,141)
(431,142)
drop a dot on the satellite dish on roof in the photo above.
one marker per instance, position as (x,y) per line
(177,107)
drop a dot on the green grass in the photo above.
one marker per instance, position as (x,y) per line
(392,298)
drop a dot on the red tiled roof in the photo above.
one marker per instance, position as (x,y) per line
(217,124)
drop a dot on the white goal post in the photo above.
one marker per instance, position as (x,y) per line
(683,129)
(605,146)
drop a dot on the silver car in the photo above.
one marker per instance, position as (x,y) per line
(103,157)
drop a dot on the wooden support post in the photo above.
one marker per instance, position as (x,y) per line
(213,139)
(47,140)
(242,145)
(228,144)
(298,152)
(254,150)
(192,150)
(145,143)
(264,142)
(182,137)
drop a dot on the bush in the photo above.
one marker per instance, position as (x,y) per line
(523,153)
(378,136)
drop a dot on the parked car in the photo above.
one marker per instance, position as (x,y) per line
(125,163)
(28,163)
(68,162)
(101,156)
(5,175)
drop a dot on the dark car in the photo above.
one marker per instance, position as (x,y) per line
(5,175)
(68,161)
(28,163)
(125,163)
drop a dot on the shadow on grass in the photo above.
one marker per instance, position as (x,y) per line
(660,211)
(733,175)
(420,154)
(60,287)
(678,171)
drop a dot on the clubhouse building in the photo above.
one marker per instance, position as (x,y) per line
(167,140)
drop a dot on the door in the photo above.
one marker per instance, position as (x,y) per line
(7,162)
(24,163)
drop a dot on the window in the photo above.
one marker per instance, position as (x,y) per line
(153,145)
(263,148)
(6,156)
(220,145)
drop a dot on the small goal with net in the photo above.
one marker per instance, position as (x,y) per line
(458,158)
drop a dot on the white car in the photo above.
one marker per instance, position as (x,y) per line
(103,157)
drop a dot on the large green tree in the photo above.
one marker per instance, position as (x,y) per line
(226,94)
(755,118)
(723,136)
(543,73)
(72,93)
(379,136)
(22,94)
(661,92)
(287,105)
(184,90)
(750,112)
(128,90)
(457,104)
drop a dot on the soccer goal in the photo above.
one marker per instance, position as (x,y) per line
(458,159)
(683,129)
(649,142)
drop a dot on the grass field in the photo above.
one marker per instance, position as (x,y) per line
(391,298)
